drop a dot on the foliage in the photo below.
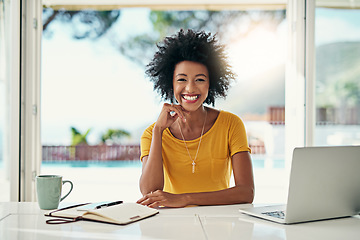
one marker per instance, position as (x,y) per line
(77,137)
(86,24)
(338,74)
(114,136)
(229,25)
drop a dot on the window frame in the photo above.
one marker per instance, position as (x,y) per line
(12,151)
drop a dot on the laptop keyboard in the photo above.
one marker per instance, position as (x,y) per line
(277,214)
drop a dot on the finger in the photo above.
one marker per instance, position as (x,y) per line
(150,199)
(151,202)
(177,110)
(182,110)
(140,200)
(144,198)
(145,202)
(155,204)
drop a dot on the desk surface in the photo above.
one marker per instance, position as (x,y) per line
(27,221)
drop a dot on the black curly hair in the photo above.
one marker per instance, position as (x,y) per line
(193,46)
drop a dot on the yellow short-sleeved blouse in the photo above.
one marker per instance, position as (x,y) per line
(213,165)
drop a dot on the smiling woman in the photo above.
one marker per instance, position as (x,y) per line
(191,67)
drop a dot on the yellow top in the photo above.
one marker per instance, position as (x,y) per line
(213,164)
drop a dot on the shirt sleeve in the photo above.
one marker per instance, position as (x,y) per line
(145,141)
(237,136)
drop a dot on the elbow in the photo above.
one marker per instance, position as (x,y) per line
(144,191)
(248,196)
(244,195)
(251,195)
(146,188)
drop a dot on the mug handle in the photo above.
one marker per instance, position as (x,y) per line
(71,188)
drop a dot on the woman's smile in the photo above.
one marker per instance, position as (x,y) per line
(190,98)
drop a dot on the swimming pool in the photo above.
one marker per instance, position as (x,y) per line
(258,163)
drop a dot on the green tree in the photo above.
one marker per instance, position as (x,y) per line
(114,136)
(85,24)
(228,25)
(78,137)
(90,24)
(338,74)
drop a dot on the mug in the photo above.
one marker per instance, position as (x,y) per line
(48,188)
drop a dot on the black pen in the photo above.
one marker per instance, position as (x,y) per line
(109,204)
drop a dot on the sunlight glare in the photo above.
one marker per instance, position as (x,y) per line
(258,52)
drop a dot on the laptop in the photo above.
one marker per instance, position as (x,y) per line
(324,184)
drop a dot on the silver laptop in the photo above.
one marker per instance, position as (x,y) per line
(324,184)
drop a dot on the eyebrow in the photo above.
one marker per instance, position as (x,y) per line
(197,75)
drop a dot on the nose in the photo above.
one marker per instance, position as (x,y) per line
(190,87)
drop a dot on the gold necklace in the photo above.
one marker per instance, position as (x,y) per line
(197,151)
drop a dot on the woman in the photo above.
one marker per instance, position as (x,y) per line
(189,153)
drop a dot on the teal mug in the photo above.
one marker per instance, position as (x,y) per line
(49,188)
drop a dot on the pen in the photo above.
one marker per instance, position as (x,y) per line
(109,204)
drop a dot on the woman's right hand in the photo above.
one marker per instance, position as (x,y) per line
(169,114)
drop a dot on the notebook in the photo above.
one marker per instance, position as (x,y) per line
(324,183)
(121,214)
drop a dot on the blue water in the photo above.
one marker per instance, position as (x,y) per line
(81,164)
(257,164)
(260,163)
(278,163)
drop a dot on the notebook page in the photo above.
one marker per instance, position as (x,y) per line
(121,213)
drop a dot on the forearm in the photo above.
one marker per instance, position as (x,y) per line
(234,195)
(152,177)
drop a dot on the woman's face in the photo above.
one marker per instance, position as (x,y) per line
(191,84)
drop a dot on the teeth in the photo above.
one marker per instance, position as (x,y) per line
(190,98)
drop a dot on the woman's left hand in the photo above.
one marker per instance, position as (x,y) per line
(160,198)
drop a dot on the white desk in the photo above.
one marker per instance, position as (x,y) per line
(26,221)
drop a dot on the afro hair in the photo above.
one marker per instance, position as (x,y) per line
(193,46)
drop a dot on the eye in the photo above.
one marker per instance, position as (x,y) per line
(181,80)
(200,80)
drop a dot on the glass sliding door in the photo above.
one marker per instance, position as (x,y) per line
(337,41)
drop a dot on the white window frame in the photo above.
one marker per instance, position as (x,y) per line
(30,143)
(166,4)
(300,80)
(12,152)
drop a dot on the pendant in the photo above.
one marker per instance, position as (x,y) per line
(193,167)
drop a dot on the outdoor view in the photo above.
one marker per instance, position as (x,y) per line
(337,39)
(96,100)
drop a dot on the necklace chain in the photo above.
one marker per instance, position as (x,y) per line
(197,151)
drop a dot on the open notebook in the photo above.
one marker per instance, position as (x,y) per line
(124,213)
